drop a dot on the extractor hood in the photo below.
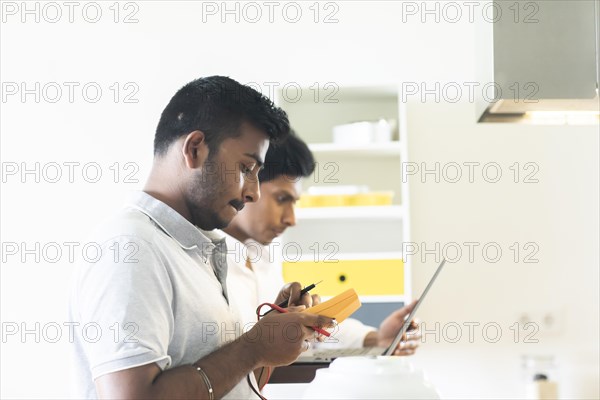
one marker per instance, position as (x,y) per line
(546,61)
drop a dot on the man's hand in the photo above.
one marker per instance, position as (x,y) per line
(291,292)
(278,339)
(392,324)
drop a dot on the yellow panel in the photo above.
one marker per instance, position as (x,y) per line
(367,277)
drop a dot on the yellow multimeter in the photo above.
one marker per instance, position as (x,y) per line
(339,307)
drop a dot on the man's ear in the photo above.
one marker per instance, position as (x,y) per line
(195,149)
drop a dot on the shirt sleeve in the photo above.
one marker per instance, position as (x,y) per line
(124,300)
(350,333)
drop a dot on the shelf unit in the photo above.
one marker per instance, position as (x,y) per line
(351,235)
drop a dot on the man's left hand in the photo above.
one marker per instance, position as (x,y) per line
(392,324)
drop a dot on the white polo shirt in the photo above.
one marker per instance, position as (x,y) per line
(250,287)
(155,293)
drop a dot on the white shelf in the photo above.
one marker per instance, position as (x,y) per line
(354,212)
(373,149)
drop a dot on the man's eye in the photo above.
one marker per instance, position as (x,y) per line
(246,169)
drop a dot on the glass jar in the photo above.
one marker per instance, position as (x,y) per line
(540,376)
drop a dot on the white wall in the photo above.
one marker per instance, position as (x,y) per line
(559,214)
(370,45)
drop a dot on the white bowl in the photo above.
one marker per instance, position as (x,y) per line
(379,377)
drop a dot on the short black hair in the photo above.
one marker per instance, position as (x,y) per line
(290,157)
(217,106)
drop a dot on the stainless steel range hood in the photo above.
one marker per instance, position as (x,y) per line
(546,61)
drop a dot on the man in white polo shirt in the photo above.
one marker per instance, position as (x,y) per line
(157,294)
(255,273)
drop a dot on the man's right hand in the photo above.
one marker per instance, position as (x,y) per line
(291,292)
(278,339)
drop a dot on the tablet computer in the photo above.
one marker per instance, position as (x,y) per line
(321,356)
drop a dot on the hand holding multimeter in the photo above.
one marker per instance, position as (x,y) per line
(338,308)
(290,289)
(292,295)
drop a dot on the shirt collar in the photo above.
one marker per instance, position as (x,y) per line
(187,235)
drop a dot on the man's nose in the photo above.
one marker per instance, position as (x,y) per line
(251,190)
(289,216)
